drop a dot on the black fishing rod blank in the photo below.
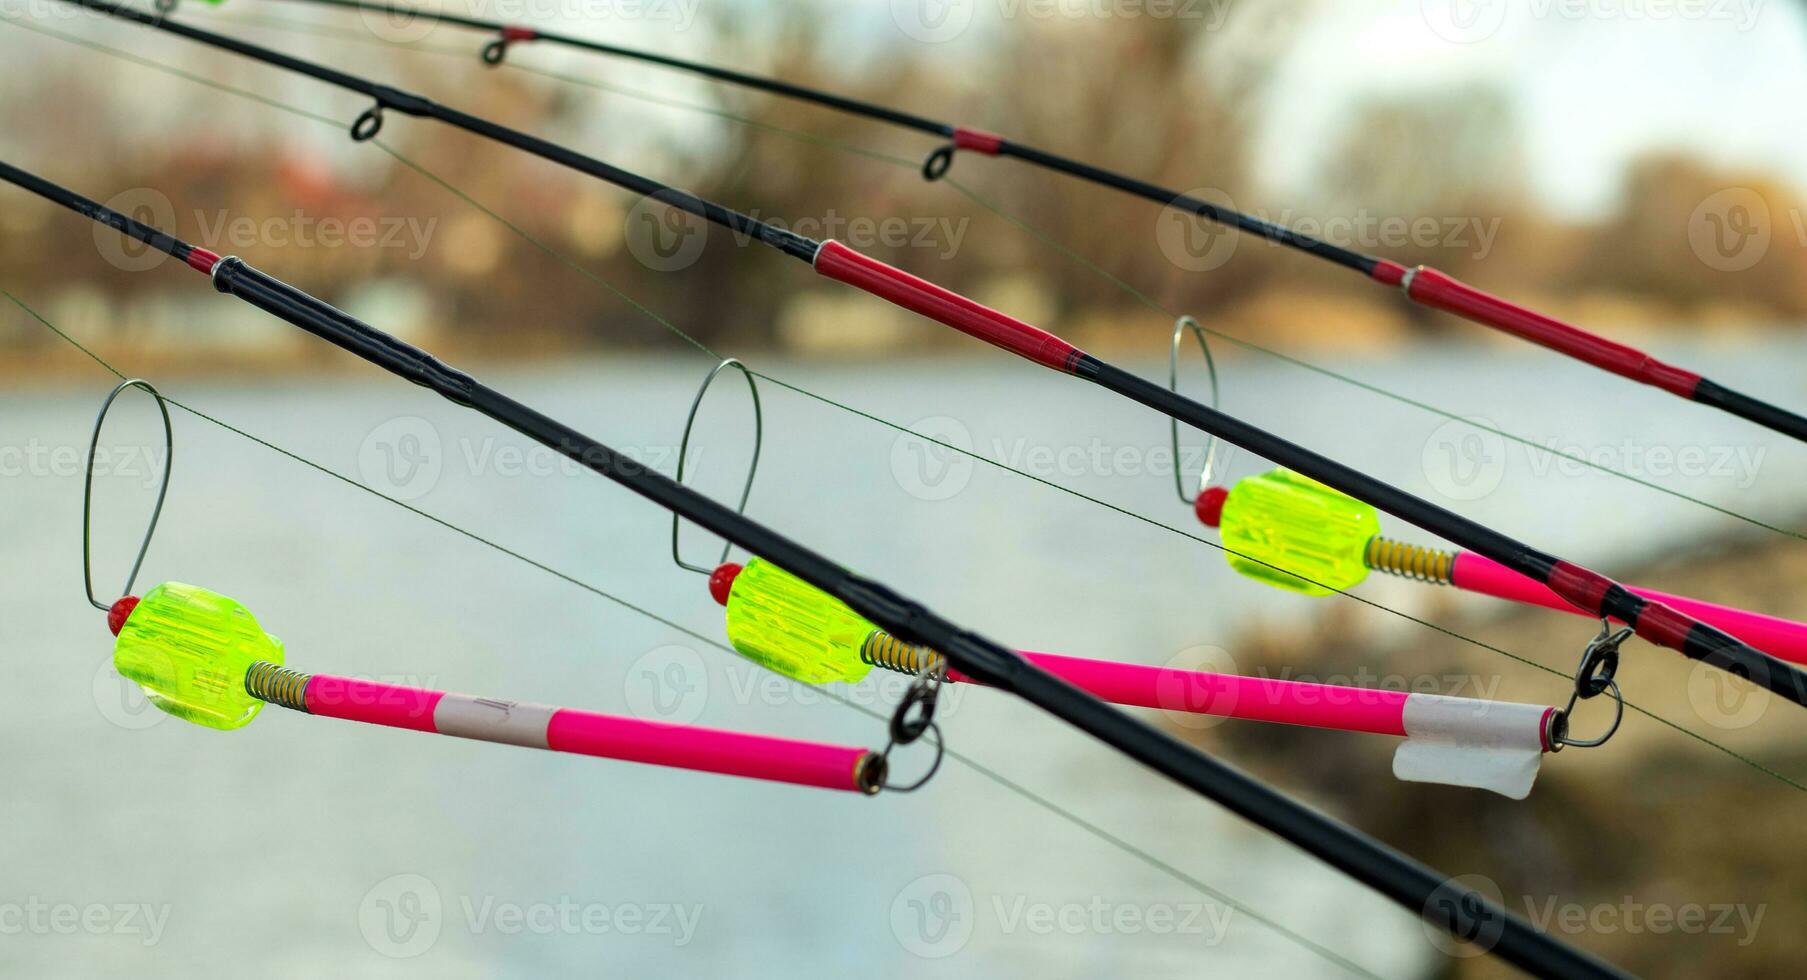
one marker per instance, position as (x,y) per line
(1437,899)
(1588,590)
(1421,284)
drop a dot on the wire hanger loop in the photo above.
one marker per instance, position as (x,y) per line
(746,489)
(169,441)
(1213,444)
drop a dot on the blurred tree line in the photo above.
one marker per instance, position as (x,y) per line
(1149,98)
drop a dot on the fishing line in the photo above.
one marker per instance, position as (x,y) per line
(1745,760)
(1421,284)
(969,762)
(1581,586)
(1437,899)
(322,30)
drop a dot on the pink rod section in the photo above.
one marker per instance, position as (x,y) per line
(1350,709)
(765,757)
(1777,637)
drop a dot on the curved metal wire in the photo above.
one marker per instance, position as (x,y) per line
(684,449)
(1212,445)
(169,449)
(1599,662)
(922,698)
(1559,725)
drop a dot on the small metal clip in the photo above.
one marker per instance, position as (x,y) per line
(1595,676)
(921,698)
(1213,444)
(684,449)
(88,490)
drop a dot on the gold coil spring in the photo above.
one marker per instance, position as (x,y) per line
(285,686)
(1409,560)
(881,649)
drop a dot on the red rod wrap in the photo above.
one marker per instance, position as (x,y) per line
(1657,623)
(520,34)
(978,140)
(1436,290)
(1664,626)
(1582,587)
(1388,272)
(837,261)
(202,260)
(1773,635)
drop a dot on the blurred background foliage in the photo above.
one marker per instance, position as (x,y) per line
(1179,103)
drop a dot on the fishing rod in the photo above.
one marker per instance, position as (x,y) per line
(1445,903)
(1592,592)
(1422,284)
(782,623)
(202,657)
(1292,532)
(791,628)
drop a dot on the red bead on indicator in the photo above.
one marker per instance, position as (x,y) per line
(1209,505)
(116,616)
(722,581)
